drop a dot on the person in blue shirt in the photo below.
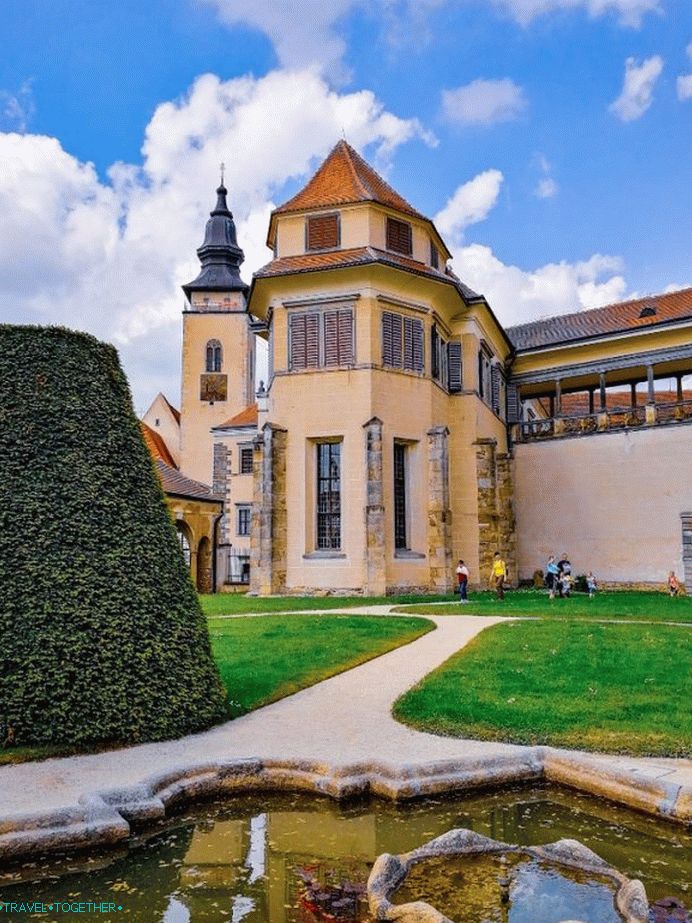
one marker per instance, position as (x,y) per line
(551,576)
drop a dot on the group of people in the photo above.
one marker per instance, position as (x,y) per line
(498,576)
(558,578)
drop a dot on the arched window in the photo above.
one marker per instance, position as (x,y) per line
(213,356)
(184,539)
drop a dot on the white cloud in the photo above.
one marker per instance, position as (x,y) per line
(638,87)
(629,12)
(471,203)
(110,256)
(313,34)
(546,188)
(484,102)
(518,295)
(684,81)
(17,109)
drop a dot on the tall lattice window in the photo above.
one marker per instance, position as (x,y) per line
(400,531)
(329,495)
(214,356)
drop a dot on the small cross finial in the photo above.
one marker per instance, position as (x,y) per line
(223,167)
(343,132)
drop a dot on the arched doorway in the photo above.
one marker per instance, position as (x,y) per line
(204,566)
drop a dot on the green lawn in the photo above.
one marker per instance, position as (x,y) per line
(264,659)
(595,686)
(240,604)
(619,604)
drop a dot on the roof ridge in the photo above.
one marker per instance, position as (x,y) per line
(365,189)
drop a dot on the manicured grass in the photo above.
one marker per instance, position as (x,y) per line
(240,604)
(621,604)
(595,686)
(264,659)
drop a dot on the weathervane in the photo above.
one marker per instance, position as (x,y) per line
(223,167)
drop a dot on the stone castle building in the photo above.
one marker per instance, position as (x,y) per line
(401,427)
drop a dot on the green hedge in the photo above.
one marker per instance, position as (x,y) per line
(101,634)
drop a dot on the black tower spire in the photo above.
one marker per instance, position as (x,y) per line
(220,254)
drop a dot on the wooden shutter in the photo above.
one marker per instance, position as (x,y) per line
(413,344)
(304,341)
(399,236)
(495,388)
(454,364)
(434,256)
(322,232)
(312,340)
(338,337)
(513,404)
(296,328)
(391,339)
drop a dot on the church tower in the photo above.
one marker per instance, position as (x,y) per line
(218,346)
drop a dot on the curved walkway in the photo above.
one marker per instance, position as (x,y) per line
(331,737)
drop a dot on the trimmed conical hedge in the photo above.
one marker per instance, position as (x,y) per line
(101,634)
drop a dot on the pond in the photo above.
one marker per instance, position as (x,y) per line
(301,859)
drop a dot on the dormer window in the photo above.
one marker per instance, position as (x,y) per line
(322,232)
(649,310)
(399,236)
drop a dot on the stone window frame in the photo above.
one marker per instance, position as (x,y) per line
(243,518)
(243,451)
(213,356)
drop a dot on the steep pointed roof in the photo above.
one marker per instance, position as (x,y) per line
(343,179)
(219,254)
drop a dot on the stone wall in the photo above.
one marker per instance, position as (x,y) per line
(496,520)
(687,549)
(268,531)
(375,571)
(439,512)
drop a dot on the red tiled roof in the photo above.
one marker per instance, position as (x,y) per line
(598,322)
(156,445)
(176,484)
(247,417)
(360,256)
(575,404)
(345,178)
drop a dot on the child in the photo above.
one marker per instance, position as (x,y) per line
(591,584)
(462,579)
(673,584)
(565,583)
(551,574)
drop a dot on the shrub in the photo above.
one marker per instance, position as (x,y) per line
(101,635)
(580,584)
(538,579)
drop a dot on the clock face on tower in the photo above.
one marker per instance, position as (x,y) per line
(213,387)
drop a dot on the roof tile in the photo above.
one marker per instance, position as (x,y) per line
(345,178)
(597,322)
(156,445)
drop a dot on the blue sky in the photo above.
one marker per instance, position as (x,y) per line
(549,138)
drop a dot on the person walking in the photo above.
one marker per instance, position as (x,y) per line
(499,575)
(591,584)
(462,581)
(551,576)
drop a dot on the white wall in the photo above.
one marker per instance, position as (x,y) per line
(612,501)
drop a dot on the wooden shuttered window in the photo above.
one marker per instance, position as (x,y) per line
(304,341)
(513,404)
(399,238)
(454,366)
(495,388)
(322,232)
(434,353)
(391,339)
(402,342)
(338,337)
(434,256)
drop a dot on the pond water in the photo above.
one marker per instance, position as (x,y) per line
(302,859)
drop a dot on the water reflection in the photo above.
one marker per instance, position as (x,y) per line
(295,859)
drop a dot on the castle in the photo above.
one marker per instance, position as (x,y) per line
(401,426)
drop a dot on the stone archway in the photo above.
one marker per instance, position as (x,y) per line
(204,575)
